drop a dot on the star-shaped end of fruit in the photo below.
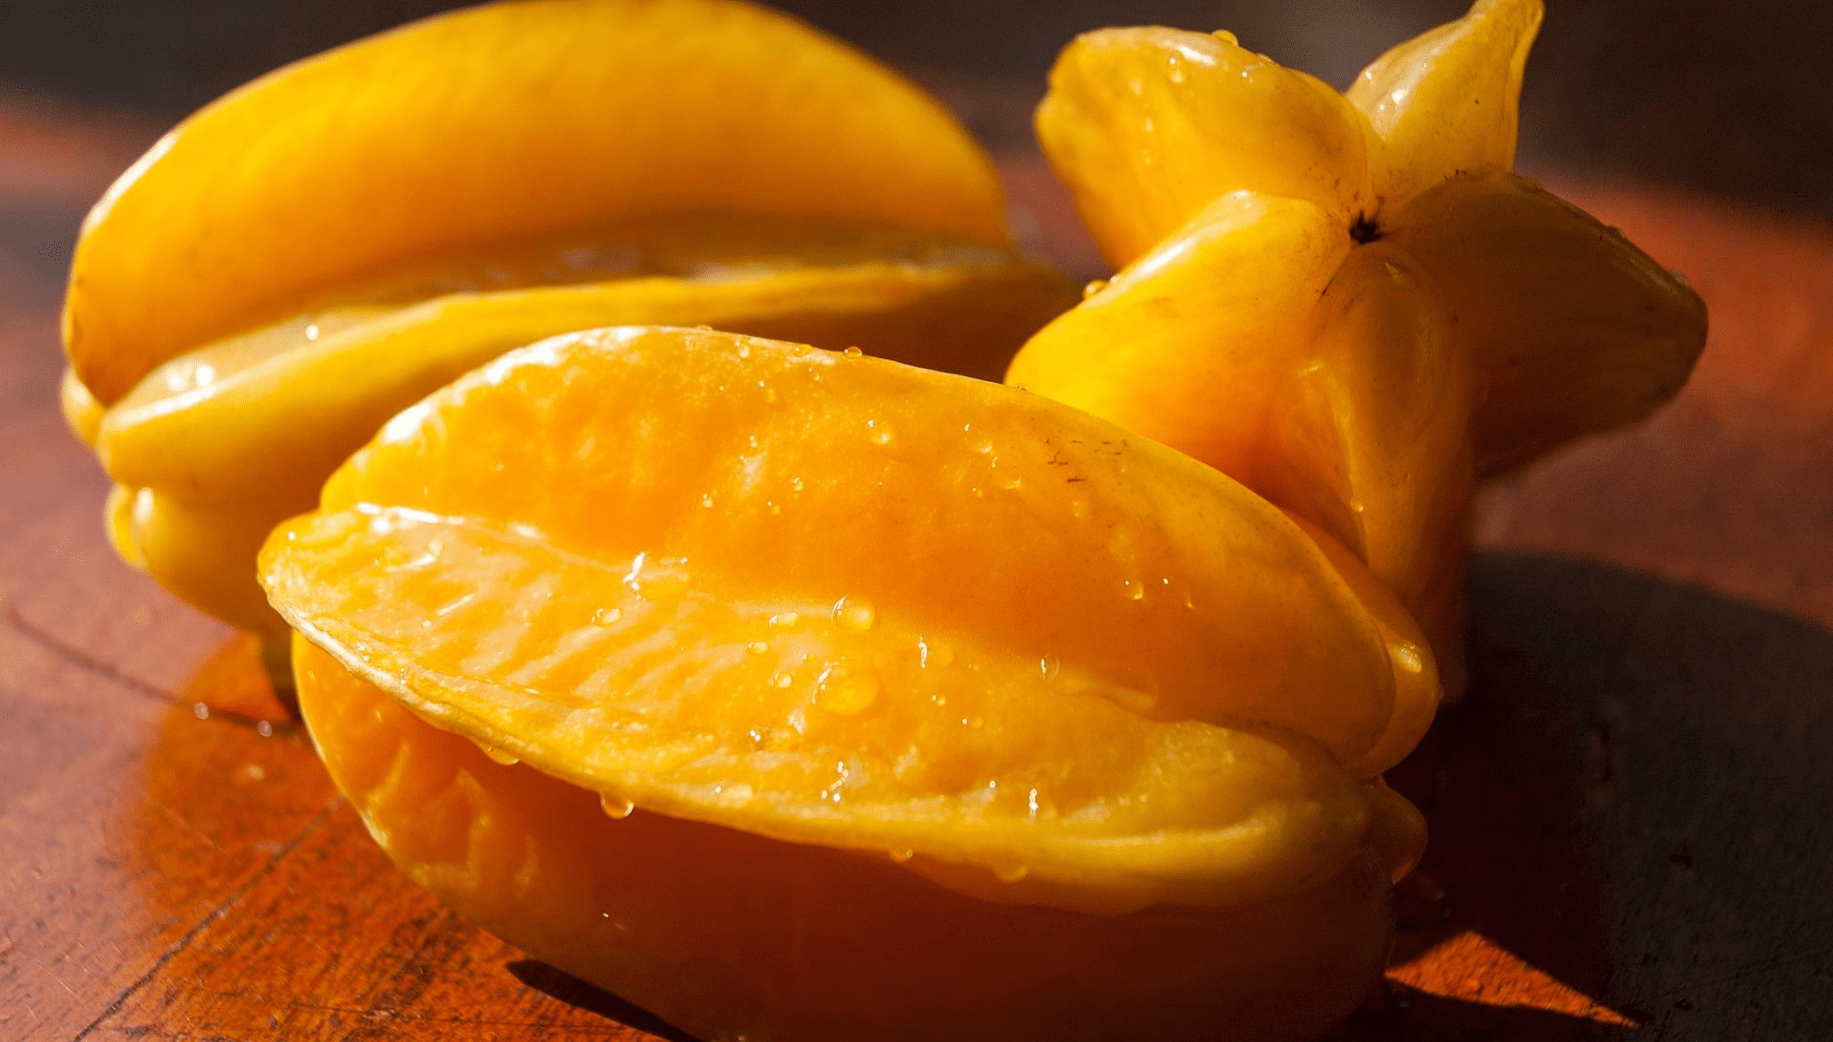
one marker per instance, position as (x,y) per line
(1347,301)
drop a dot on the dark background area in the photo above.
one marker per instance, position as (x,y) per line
(1730,98)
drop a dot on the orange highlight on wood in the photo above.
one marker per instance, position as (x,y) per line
(1470,967)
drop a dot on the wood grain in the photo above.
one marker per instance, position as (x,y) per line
(1629,827)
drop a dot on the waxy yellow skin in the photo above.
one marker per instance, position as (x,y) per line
(307,256)
(1051,686)
(496,124)
(1346,301)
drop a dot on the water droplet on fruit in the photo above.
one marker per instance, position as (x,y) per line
(499,756)
(879,432)
(1049,666)
(758,647)
(607,616)
(847,692)
(855,613)
(1093,287)
(1011,873)
(635,573)
(706,500)
(932,652)
(1134,591)
(616,806)
(852,352)
(785,619)
(901,854)
(782,680)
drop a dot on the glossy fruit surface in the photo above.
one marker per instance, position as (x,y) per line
(498,123)
(1348,302)
(827,603)
(727,934)
(311,254)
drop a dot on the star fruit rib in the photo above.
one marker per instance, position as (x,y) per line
(1349,303)
(790,604)
(303,258)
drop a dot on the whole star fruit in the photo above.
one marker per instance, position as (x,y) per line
(1348,302)
(945,710)
(312,253)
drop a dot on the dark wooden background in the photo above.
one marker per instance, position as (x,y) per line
(1631,828)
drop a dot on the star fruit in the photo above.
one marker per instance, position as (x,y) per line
(312,253)
(1346,301)
(945,711)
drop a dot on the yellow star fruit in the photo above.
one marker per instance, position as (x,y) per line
(303,258)
(1348,302)
(946,711)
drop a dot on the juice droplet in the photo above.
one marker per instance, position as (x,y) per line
(847,692)
(1011,873)
(1094,286)
(1049,666)
(706,500)
(758,647)
(901,854)
(855,613)
(633,577)
(607,616)
(499,756)
(785,619)
(932,652)
(616,806)
(782,680)
(1011,484)
(852,352)
(879,432)
(1134,591)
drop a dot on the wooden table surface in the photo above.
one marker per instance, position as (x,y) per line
(1630,828)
